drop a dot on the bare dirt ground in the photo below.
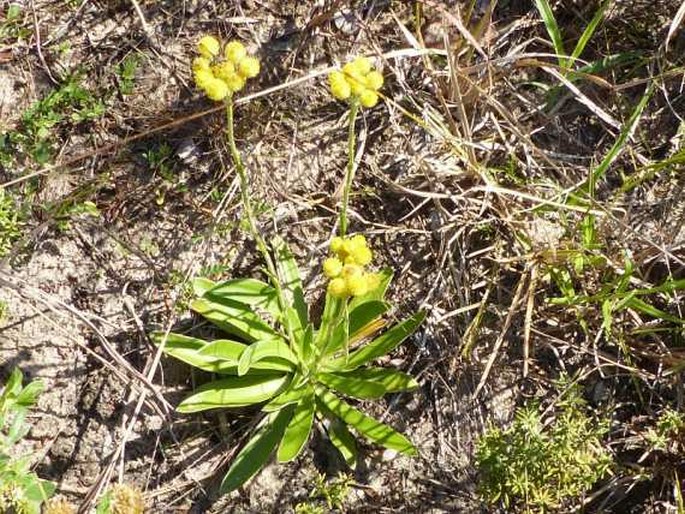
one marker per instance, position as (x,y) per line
(456,168)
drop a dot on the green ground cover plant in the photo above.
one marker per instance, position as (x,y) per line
(36,137)
(21,490)
(294,367)
(543,462)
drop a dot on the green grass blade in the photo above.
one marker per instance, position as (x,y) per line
(370,428)
(618,146)
(257,451)
(297,433)
(589,31)
(550,22)
(234,392)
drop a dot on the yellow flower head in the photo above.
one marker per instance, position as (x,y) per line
(336,244)
(368,98)
(248,67)
(337,288)
(358,81)
(235,52)
(216,89)
(201,63)
(209,47)
(221,76)
(332,267)
(357,285)
(224,70)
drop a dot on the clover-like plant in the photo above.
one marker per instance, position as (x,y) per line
(275,355)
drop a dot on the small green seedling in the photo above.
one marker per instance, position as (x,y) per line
(21,490)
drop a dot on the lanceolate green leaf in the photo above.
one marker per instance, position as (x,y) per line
(231,352)
(201,285)
(249,291)
(295,391)
(344,441)
(273,349)
(379,346)
(256,452)
(297,432)
(235,318)
(189,350)
(233,392)
(391,379)
(224,349)
(350,385)
(291,282)
(370,428)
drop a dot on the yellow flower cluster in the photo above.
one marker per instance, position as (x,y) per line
(357,79)
(346,267)
(221,76)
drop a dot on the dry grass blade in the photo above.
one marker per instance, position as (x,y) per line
(677,20)
(582,98)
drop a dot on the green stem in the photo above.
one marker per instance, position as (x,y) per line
(249,214)
(349,172)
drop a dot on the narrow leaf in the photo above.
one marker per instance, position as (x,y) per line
(392,380)
(552,29)
(362,320)
(257,451)
(370,428)
(589,31)
(379,346)
(189,350)
(273,348)
(344,441)
(291,281)
(295,391)
(297,433)
(235,318)
(339,435)
(201,285)
(255,293)
(350,385)
(233,392)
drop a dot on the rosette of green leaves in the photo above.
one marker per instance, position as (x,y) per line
(274,356)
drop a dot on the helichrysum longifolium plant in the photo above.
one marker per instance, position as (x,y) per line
(21,490)
(297,369)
